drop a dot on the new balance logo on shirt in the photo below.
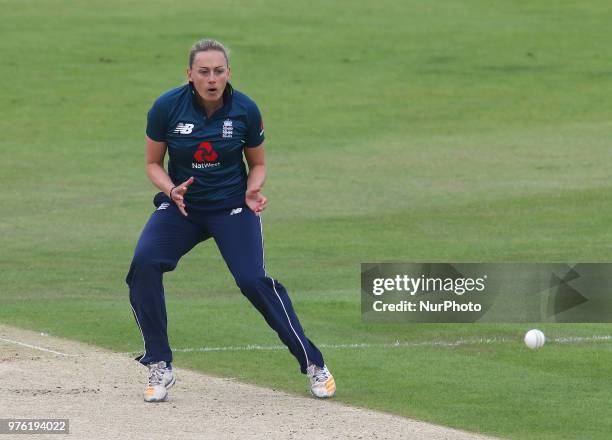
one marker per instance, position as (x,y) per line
(236,211)
(183,128)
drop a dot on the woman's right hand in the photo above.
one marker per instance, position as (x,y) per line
(177,195)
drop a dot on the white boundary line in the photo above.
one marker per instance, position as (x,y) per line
(35,347)
(397,344)
(579,339)
(357,345)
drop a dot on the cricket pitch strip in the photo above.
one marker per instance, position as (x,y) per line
(100,392)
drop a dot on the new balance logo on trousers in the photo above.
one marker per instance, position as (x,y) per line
(163,206)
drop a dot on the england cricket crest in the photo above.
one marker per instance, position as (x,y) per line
(228,129)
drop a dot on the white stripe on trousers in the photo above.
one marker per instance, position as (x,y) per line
(144,345)
(263,255)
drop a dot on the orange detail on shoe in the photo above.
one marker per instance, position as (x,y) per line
(149,391)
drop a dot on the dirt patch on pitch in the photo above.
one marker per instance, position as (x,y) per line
(100,392)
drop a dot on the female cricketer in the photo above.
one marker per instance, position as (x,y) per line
(206,127)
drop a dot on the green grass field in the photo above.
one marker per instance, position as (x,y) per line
(463,130)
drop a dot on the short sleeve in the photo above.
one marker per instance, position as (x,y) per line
(255,129)
(157,122)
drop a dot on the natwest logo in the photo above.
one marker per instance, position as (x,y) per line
(205,156)
(205,153)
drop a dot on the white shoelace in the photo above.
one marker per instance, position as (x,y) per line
(320,374)
(156,374)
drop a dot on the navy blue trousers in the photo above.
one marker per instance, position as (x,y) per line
(168,235)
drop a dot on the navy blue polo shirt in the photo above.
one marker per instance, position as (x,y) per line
(209,149)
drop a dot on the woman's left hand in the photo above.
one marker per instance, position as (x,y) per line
(256,200)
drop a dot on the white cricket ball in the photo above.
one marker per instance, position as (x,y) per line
(534,339)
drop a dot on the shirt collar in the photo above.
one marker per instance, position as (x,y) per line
(228,93)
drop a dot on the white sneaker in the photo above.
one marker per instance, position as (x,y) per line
(160,379)
(322,383)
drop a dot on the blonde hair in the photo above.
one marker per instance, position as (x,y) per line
(205,45)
